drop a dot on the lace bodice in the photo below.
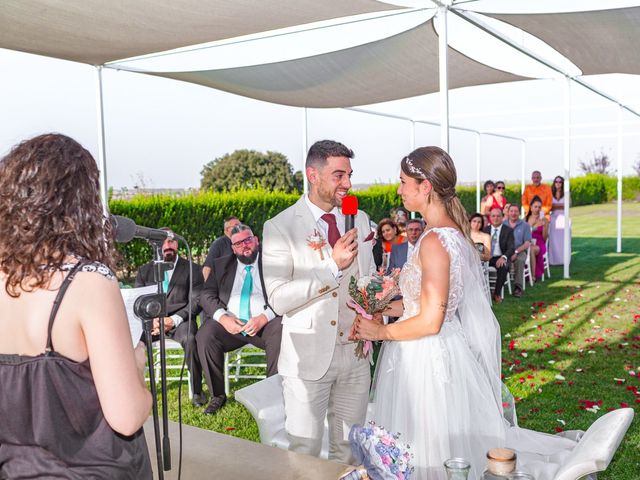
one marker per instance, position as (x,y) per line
(411,276)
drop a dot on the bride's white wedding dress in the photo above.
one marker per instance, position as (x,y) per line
(443,393)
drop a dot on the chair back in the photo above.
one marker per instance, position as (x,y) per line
(597,446)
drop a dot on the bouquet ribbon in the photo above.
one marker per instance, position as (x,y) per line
(352,304)
(367,345)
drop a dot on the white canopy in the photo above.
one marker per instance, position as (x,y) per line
(400,66)
(99,31)
(603,41)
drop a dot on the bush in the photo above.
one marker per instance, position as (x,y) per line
(199,217)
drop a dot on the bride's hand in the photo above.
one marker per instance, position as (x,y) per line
(368,329)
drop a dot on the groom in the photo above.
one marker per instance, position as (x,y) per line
(308,260)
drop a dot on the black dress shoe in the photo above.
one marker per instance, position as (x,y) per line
(199,399)
(215,404)
(517,292)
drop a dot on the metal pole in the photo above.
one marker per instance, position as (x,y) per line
(412,136)
(102,160)
(523,166)
(478,154)
(305,149)
(567,174)
(444,80)
(619,239)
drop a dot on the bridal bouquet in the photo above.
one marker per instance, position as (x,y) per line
(370,295)
(381,453)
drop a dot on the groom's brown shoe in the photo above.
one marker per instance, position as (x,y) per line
(215,404)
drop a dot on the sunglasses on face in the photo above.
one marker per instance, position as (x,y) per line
(247,241)
(499,188)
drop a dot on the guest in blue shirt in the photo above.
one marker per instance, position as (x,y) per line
(522,240)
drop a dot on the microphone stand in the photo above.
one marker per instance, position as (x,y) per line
(160,266)
(163,453)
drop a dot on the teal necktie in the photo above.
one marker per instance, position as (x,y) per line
(494,240)
(165,283)
(245,295)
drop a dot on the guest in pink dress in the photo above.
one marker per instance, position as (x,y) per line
(539,234)
(558,223)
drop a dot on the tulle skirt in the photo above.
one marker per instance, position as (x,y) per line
(433,392)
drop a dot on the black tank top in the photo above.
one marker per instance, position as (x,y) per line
(51,423)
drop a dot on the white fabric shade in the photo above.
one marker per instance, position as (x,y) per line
(400,66)
(99,31)
(598,42)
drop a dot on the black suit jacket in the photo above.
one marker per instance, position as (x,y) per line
(216,291)
(506,240)
(178,294)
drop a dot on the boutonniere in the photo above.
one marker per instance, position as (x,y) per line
(317,242)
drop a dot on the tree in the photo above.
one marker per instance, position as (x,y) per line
(636,166)
(250,169)
(600,163)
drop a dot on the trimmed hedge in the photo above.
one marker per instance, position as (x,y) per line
(199,217)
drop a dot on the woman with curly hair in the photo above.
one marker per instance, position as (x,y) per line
(73,396)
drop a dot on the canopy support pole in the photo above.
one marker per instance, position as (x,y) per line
(567,175)
(523,167)
(102,160)
(305,149)
(478,154)
(444,79)
(619,236)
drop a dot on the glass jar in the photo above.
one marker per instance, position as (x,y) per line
(457,468)
(520,476)
(501,461)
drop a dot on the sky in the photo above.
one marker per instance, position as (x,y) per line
(161,132)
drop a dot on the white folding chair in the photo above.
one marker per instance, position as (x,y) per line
(485,270)
(233,364)
(526,272)
(493,274)
(593,452)
(173,351)
(545,258)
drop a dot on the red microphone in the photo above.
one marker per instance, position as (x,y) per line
(349,210)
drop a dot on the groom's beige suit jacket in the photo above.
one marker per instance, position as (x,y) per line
(302,288)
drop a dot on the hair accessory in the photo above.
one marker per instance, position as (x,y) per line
(413,169)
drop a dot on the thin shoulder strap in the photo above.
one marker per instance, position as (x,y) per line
(58,301)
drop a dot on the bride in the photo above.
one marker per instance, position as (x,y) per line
(438,376)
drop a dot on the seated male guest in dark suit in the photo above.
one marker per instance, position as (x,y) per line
(234,295)
(502,249)
(220,247)
(176,324)
(401,252)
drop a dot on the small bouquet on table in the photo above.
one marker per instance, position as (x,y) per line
(369,295)
(381,455)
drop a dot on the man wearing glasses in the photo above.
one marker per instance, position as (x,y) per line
(234,295)
(537,188)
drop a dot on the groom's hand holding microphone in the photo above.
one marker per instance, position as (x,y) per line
(346,248)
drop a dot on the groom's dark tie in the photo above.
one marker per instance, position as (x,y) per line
(334,233)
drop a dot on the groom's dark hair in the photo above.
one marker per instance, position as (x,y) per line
(320,151)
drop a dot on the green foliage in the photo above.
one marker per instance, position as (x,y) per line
(378,200)
(199,217)
(244,169)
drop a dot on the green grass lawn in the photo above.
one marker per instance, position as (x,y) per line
(567,344)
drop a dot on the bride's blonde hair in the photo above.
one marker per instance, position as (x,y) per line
(435,165)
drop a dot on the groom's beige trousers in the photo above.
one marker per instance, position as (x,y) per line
(342,395)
